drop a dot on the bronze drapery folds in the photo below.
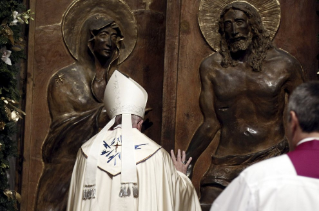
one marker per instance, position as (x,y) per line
(99,35)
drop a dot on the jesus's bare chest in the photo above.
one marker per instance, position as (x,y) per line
(230,84)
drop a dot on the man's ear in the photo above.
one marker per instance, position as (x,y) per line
(293,117)
(294,123)
(139,125)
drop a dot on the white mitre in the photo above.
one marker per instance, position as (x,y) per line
(126,97)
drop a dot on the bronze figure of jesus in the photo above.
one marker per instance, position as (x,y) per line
(243,95)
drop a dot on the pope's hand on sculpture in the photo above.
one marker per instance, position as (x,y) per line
(180,161)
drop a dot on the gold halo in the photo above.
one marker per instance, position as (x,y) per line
(210,10)
(80,10)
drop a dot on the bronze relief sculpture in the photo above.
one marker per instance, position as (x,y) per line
(243,90)
(99,35)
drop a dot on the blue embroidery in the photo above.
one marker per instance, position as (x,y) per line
(111,157)
(106,145)
(110,153)
(119,139)
(138,146)
(113,142)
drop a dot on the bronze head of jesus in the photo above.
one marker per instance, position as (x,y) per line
(242,32)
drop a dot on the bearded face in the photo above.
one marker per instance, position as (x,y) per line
(241,28)
(237,31)
(240,44)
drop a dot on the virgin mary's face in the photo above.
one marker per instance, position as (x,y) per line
(105,42)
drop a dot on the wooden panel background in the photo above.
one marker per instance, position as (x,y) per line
(165,61)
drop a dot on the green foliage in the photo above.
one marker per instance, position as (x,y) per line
(10,39)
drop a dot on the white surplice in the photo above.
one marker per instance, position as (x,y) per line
(161,186)
(271,185)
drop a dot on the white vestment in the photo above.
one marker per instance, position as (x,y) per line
(161,186)
(271,185)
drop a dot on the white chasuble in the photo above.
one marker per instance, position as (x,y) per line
(161,186)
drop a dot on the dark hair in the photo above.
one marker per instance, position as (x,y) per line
(304,101)
(261,41)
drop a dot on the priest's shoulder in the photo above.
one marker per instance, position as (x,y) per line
(87,145)
(270,168)
(139,134)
